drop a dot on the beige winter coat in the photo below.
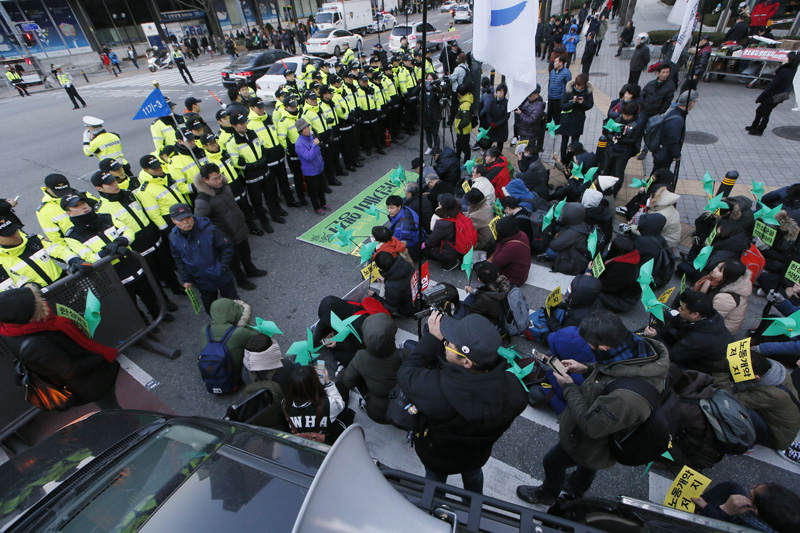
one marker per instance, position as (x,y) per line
(481,214)
(725,304)
(663,202)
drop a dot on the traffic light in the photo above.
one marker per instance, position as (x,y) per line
(29,39)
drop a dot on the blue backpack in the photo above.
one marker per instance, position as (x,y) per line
(538,324)
(216,366)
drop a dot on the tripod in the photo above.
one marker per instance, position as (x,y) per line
(445,103)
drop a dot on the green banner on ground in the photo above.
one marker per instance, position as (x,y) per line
(352,222)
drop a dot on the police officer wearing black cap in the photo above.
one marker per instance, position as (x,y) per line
(260,122)
(51,217)
(163,129)
(287,136)
(116,169)
(327,107)
(225,129)
(344,105)
(365,98)
(248,156)
(192,112)
(290,86)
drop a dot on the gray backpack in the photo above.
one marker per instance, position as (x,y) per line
(515,313)
(730,421)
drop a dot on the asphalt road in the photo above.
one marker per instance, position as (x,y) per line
(42,134)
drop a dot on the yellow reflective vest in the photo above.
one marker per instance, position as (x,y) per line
(104,146)
(37,251)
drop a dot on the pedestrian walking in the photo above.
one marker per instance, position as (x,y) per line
(180,62)
(699,64)
(601,32)
(115,61)
(589,52)
(779,90)
(132,57)
(107,63)
(673,130)
(68,83)
(16,81)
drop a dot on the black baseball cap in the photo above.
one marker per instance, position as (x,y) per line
(315,85)
(179,211)
(150,161)
(474,336)
(208,138)
(71,200)
(238,118)
(110,164)
(363,77)
(256,101)
(334,79)
(287,71)
(311,95)
(189,102)
(290,103)
(58,183)
(194,125)
(416,162)
(101,178)
(8,227)
(185,135)
(325,89)
(222,113)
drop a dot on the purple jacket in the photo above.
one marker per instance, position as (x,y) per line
(310,155)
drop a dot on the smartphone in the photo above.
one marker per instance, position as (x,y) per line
(321,371)
(16,198)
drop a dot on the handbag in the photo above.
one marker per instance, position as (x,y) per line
(403,414)
(38,391)
(781,97)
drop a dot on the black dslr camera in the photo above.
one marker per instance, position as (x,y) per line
(437,298)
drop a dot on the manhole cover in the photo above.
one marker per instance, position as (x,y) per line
(699,137)
(598,74)
(788,132)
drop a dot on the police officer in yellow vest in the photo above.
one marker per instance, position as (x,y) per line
(163,128)
(127,210)
(382,103)
(287,136)
(291,87)
(365,98)
(184,163)
(327,107)
(16,80)
(409,90)
(260,122)
(68,83)
(97,142)
(319,127)
(51,217)
(392,97)
(180,62)
(159,187)
(348,56)
(225,129)
(126,181)
(345,105)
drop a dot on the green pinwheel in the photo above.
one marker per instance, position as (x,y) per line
(521,373)
(559,206)
(374,211)
(767,215)
(468,166)
(758,189)
(551,128)
(577,172)
(92,312)
(646,274)
(344,327)
(466,264)
(708,184)
(366,250)
(700,261)
(715,203)
(651,303)
(591,242)
(784,325)
(498,207)
(267,327)
(636,183)
(304,350)
(482,132)
(398,176)
(613,125)
(509,354)
(341,236)
(548,217)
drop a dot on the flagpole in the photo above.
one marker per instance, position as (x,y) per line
(421,147)
(694,65)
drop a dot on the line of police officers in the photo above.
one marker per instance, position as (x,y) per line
(359,106)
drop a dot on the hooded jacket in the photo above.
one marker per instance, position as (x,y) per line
(405,227)
(573,114)
(481,214)
(571,39)
(497,173)
(647,236)
(733,309)
(374,368)
(203,255)
(663,202)
(489,299)
(226,313)
(467,412)
(597,213)
(527,199)
(529,120)
(397,294)
(700,345)
(621,291)
(496,115)
(427,210)
(778,256)
(567,343)
(535,176)
(730,248)
(591,417)
(448,166)
(512,256)
(582,299)
(221,208)
(571,243)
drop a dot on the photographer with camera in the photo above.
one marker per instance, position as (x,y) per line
(459,383)
(433,112)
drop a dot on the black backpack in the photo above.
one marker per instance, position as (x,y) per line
(647,441)
(663,267)
(541,237)
(731,422)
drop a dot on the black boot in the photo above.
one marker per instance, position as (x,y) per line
(267,226)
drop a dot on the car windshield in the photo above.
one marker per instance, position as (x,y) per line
(400,31)
(279,66)
(322,34)
(323,18)
(123,496)
(244,60)
(462,8)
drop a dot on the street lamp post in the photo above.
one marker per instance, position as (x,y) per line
(123,21)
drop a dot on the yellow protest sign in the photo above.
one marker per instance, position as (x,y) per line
(739,361)
(493,226)
(371,270)
(68,312)
(688,484)
(466,186)
(665,295)
(793,272)
(598,267)
(553,299)
(196,306)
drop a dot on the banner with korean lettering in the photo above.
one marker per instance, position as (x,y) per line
(739,361)
(685,33)
(155,105)
(688,484)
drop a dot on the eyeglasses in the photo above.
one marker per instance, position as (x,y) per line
(449,349)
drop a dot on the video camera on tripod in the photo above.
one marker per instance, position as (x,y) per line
(436,299)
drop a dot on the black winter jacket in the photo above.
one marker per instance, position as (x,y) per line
(657,97)
(781,83)
(573,114)
(448,166)
(397,294)
(571,243)
(221,208)
(697,345)
(649,242)
(640,58)
(497,113)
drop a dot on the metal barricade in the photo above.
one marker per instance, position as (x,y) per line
(121,326)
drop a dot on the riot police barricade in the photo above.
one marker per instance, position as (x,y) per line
(121,325)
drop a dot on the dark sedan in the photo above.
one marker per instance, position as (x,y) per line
(251,66)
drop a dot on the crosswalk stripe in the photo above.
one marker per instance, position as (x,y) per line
(542,277)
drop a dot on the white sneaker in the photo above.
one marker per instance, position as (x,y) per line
(761,292)
(428,151)
(621,209)
(513,141)
(790,455)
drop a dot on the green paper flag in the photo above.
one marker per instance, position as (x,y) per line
(343,237)
(700,261)
(267,327)
(344,327)
(195,301)
(784,326)
(482,132)
(758,189)
(521,373)
(646,470)
(374,211)
(398,177)
(651,303)
(551,128)
(636,183)
(92,312)
(548,217)
(304,350)
(559,206)
(466,264)
(510,354)
(708,184)
(498,208)
(577,172)
(768,215)
(613,125)
(591,243)
(667,455)
(469,165)
(716,203)
(646,274)
(366,250)
(683,284)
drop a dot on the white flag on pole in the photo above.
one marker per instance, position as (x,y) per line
(676,13)
(504,35)
(685,34)
(796,84)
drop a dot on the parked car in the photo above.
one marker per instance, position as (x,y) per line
(251,66)
(463,14)
(267,84)
(331,42)
(447,6)
(382,22)
(413,32)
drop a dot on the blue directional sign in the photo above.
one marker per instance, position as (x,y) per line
(29,26)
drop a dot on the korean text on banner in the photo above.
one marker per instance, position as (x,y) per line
(155,105)
(739,362)
(685,33)
(688,484)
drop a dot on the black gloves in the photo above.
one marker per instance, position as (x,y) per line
(77,265)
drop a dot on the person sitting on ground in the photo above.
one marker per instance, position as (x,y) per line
(480,213)
(521,216)
(512,255)
(389,244)
(441,244)
(598,214)
(770,399)
(569,249)
(404,225)
(729,284)
(396,274)
(786,352)
(580,300)
(695,335)
(526,198)
(566,343)
(487,300)
(730,242)
(497,170)
(230,314)
(373,371)
(412,201)
(577,156)
(765,507)
(621,291)
(663,201)
(479,181)
(661,177)
(533,173)
(447,165)
(343,351)
(434,186)
(778,255)
(311,407)
(788,197)
(736,209)
(647,237)
(264,361)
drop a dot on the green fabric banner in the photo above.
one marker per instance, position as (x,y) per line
(354,217)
